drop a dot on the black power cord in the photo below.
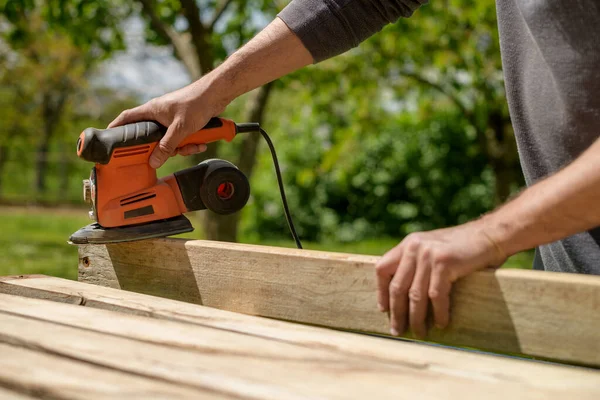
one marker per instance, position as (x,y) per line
(254,127)
(286,209)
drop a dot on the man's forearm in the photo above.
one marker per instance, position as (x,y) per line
(561,205)
(275,52)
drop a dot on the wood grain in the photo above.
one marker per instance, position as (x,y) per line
(239,365)
(416,357)
(44,375)
(6,394)
(510,311)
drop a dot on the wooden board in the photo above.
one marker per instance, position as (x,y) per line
(41,374)
(10,395)
(225,339)
(510,311)
(235,364)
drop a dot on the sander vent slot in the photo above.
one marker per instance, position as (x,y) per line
(131,151)
(138,212)
(137,198)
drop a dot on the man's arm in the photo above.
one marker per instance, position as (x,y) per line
(306,31)
(424,266)
(274,52)
(559,206)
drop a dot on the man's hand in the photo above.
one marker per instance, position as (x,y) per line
(273,53)
(424,266)
(184,112)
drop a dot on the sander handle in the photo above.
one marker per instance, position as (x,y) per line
(97,145)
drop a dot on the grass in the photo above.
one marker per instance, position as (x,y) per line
(34,241)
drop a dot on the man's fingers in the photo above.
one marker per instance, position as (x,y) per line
(141,113)
(385,269)
(439,293)
(399,286)
(167,146)
(418,295)
(190,149)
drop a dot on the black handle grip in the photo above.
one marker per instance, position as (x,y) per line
(97,145)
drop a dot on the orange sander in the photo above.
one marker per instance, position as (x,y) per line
(128,201)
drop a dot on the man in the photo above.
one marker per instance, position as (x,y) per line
(551,63)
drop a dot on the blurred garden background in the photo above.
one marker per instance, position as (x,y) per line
(409,131)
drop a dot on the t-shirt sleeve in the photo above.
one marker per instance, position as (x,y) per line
(331,27)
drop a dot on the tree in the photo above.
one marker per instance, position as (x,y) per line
(447,53)
(198,32)
(15,103)
(420,105)
(57,44)
(453,50)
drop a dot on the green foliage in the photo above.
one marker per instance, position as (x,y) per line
(408,175)
(95,107)
(48,50)
(93,26)
(239,23)
(407,132)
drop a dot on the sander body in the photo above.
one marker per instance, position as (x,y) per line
(129,202)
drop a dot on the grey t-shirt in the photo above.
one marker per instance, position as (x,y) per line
(551,62)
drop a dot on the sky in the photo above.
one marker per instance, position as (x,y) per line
(148,71)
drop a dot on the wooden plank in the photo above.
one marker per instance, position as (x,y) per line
(6,394)
(44,375)
(512,311)
(241,365)
(445,362)
(247,371)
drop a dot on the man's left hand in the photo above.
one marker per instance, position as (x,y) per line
(424,266)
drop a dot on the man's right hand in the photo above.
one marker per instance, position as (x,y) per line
(273,53)
(184,112)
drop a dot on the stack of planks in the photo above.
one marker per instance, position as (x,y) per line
(63,339)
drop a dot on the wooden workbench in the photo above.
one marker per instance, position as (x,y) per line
(63,339)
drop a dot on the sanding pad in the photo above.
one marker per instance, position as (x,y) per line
(96,234)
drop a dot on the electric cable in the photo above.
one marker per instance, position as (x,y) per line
(286,209)
(250,127)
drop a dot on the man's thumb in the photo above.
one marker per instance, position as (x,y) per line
(140,113)
(165,148)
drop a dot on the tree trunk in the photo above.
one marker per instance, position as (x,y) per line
(225,227)
(64,164)
(52,106)
(255,111)
(198,40)
(3,159)
(497,142)
(41,164)
(504,180)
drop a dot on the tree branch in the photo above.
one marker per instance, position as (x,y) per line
(488,145)
(200,35)
(421,79)
(180,42)
(219,14)
(255,110)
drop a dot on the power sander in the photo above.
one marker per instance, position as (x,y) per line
(128,201)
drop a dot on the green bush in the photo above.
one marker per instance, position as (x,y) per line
(409,176)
